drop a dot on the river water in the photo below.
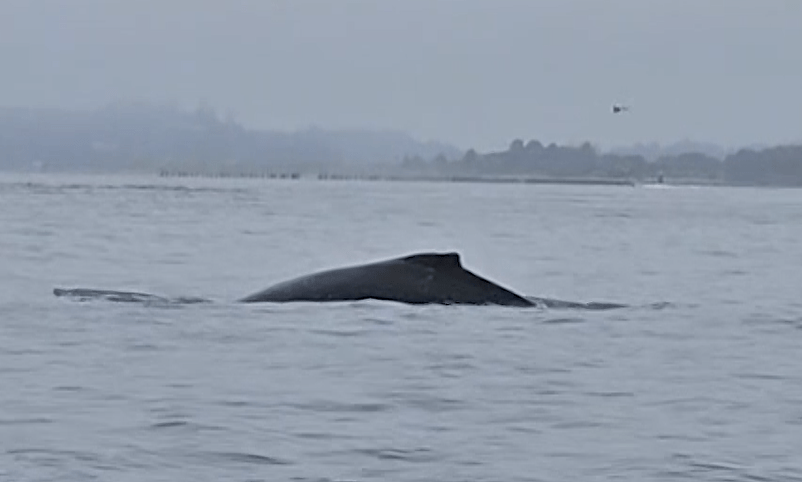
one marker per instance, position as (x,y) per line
(698,379)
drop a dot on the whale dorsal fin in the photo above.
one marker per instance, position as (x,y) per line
(436,260)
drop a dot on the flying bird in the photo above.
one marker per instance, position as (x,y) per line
(618,108)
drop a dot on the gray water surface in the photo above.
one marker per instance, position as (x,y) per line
(699,379)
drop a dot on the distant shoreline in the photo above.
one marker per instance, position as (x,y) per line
(145,138)
(418,178)
(487,179)
(291,175)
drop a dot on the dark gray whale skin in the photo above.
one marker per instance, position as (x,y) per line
(424,278)
(436,278)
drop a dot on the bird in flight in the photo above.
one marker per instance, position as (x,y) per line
(618,108)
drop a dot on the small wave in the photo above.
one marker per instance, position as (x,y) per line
(662,305)
(432,404)
(759,376)
(378,321)
(552,303)
(182,425)
(792,322)
(455,362)
(69,388)
(610,394)
(244,458)
(171,424)
(330,406)
(21,351)
(577,424)
(26,421)
(51,456)
(563,321)
(235,403)
(320,479)
(405,455)
(341,333)
(717,253)
(321,436)
(696,469)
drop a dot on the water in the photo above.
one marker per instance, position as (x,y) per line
(698,379)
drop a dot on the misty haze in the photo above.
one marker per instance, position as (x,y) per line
(400,240)
(405,87)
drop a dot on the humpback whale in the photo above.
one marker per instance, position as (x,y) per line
(423,278)
(416,279)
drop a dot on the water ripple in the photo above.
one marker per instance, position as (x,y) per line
(242,458)
(403,455)
(338,407)
(379,391)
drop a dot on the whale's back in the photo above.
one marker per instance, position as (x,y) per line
(420,278)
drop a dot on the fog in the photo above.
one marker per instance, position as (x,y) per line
(471,73)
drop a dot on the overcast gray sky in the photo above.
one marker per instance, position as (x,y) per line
(476,73)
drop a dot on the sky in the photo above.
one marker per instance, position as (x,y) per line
(474,73)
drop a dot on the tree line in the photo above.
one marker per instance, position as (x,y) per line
(772,166)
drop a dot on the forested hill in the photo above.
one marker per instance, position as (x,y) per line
(145,137)
(775,166)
